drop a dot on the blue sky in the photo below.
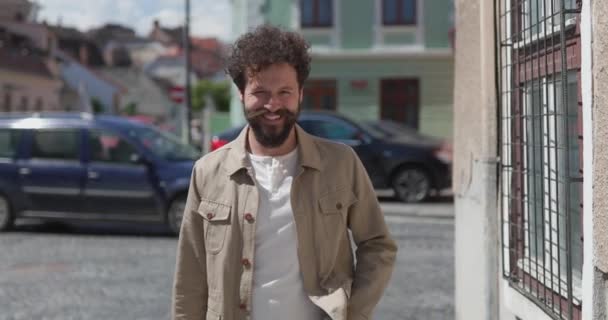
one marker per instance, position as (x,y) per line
(208,18)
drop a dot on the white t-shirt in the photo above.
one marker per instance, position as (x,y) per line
(278,291)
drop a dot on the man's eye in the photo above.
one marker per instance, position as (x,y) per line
(285,93)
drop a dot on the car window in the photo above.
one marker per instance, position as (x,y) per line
(61,144)
(332,130)
(164,145)
(9,140)
(394,128)
(105,146)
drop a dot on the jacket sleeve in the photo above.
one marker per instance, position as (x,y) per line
(376,250)
(190,291)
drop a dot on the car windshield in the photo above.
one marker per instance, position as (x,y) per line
(391,128)
(373,130)
(164,144)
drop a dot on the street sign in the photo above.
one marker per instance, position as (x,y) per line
(177,94)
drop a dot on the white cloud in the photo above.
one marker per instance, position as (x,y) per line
(208,17)
(212,19)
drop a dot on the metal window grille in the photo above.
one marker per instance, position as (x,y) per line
(541,151)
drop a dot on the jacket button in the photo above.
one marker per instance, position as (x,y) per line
(246,262)
(339,205)
(210,215)
(249,217)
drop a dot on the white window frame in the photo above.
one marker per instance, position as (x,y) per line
(550,26)
(528,263)
(333,31)
(381,31)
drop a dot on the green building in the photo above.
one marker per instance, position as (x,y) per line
(389,59)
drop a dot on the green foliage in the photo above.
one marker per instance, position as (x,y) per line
(218,91)
(130,109)
(97,106)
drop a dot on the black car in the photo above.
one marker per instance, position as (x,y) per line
(395,156)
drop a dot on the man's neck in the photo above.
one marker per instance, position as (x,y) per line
(256,148)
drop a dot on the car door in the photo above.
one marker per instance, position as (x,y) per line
(344,132)
(10,150)
(53,175)
(118,183)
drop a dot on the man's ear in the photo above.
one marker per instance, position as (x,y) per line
(301,95)
(241,96)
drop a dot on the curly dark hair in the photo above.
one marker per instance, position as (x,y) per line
(265,46)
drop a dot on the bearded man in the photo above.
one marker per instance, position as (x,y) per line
(265,232)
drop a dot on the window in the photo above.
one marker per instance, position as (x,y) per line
(545,175)
(38,106)
(60,144)
(8,101)
(541,139)
(23,104)
(9,140)
(540,17)
(398,12)
(109,147)
(316,13)
(164,145)
(399,101)
(320,95)
(330,129)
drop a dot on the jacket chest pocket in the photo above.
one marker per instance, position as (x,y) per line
(217,222)
(337,202)
(334,211)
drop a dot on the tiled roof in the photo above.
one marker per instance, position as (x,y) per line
(176,34)
(206,43)
(68,33)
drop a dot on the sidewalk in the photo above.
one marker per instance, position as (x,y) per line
(424,210)
(437,208)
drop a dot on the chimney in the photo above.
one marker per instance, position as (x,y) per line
(84,54)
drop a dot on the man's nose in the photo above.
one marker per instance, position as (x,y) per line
(273,104)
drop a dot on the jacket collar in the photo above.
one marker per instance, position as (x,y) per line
(237,159)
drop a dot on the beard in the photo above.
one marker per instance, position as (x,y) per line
(271,136)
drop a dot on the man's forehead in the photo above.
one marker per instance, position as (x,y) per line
(264,77)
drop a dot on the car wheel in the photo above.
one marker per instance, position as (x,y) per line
(176,213)
(6,216)
(412,185)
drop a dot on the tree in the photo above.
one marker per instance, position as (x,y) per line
(218,91)
(130,109)
(96,105)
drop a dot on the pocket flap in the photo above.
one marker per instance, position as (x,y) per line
(337,201)
(214,211)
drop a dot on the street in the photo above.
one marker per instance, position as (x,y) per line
(93,271)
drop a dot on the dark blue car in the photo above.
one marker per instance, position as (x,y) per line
(395,156)
(84,167)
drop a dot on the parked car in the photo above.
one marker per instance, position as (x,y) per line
(84,167)
(396,157)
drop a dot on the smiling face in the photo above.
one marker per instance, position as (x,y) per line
(271,102)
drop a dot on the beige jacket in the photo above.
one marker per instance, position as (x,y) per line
(330,194)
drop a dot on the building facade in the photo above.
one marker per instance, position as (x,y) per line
(19,10)
(371,59)
(28,77)
(530,163)
(32,86)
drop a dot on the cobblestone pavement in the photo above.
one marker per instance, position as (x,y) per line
(422,286)
(93,271)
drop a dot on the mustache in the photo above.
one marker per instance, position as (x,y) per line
(263,111)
